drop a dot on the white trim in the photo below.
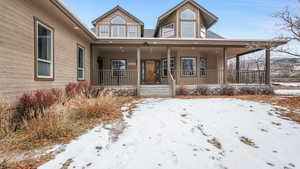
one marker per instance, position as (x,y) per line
(83,63)
(37,51)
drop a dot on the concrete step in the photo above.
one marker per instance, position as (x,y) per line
(155,91)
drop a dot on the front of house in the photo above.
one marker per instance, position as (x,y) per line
(56,48)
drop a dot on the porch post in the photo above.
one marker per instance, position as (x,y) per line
(268,67)
(169,63)
(237,69)
(138,69)
(225,66)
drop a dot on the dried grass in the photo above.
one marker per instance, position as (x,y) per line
(105,108)
(5,119)
(215,143)
(248,141)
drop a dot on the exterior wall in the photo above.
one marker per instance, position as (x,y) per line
(128,19)
(172,19)
(17,47)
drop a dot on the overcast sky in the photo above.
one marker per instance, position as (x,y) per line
(243,19)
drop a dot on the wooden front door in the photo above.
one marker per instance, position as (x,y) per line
(150,72)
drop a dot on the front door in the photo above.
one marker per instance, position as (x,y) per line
(150,71)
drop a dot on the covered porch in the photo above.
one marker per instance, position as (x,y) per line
(123,63)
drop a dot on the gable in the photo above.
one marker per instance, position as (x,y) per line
(208,18)
(118,11)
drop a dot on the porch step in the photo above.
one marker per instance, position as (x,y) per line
(155,91)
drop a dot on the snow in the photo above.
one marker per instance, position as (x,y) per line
(174,134)
(290,84)
(288,92)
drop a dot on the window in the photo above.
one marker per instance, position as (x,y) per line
(188,66)
(44,51)
(118,27)
(132,31)
(203,31)
(80,64)
(203,66)
(188,24)
(165,67)
(168,30)
(104,30)
(118,67)
(188,14)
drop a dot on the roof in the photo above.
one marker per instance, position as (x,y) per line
(213,35)
(115,9)
(60,5)
(149,33)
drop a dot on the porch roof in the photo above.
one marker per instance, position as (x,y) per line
(237,47)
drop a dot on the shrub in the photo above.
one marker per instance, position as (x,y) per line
(81,88)
(104,108)
(182,91)
(248,91)
(33,105)
(228,91)
(201,90)
(266,91)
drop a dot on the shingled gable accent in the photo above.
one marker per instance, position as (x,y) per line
(115,9)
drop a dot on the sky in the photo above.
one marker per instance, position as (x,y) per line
(238,19)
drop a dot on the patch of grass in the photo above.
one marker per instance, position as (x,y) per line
(215,143)
(292,116)
(248,141)
(5,119)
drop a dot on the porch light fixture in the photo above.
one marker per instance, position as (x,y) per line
(76,27)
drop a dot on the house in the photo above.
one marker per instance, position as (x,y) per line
(43,45)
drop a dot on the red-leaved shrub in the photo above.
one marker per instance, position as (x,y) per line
(82,88)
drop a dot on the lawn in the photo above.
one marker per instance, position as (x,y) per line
(210,133)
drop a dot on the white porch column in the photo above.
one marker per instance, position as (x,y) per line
(268,67)
(225,66)
(138,69)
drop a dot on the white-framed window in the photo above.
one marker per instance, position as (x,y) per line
(44,51)
(202,31)
(80,63)
(118,27)
(104,30)
(188,66)
(168,30)
(188,23)
(118,67)
(132,31)
(203,66)
(165,66)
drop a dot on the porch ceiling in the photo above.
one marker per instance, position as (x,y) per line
(235,47)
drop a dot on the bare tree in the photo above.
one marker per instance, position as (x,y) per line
(290,23)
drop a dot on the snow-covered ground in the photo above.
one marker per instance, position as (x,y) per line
(290,84)
(178,134)
(288,92)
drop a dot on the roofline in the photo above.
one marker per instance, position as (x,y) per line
(255,44)
(112,10)
(60,5)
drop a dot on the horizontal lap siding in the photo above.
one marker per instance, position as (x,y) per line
(17,47)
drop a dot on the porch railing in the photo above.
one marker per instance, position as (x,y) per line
(247,77)
(211,76)
(117,77)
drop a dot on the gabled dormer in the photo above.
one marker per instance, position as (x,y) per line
(186,20)
(118,23)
